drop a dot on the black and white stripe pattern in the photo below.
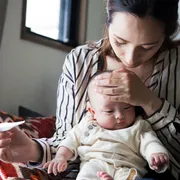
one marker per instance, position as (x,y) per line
(168,88)
(82,63)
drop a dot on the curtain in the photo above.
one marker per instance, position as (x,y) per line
(69,21)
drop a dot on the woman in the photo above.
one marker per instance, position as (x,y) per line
(138,48)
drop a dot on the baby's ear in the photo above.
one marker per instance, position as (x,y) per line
(90,109)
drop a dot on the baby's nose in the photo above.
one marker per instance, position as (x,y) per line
(119,115)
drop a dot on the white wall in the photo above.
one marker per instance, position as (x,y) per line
(29,72)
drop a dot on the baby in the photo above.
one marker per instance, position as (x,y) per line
(112,143)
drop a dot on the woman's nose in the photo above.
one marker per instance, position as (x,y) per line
(131,56)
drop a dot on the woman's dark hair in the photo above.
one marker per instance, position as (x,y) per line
(165,11)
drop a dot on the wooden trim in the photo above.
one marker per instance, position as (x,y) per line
(26,34)
(83,21)
(36,38)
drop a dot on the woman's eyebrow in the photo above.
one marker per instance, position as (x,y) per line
(151,43)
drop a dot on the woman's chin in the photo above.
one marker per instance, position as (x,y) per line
(131,66)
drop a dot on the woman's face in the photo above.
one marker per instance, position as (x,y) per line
(135,40)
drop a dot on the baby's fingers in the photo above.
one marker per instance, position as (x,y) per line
(62,167)
(154,162)
(162,160)
(46,164)
(166,159)
(104,175)
(55,166)
(50,167)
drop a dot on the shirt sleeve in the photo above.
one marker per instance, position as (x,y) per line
(166,124)
(64,113)
(72,141)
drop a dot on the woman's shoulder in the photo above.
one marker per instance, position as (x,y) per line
(83,54)
(172,52)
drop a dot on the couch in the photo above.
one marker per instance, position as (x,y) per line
(35,126)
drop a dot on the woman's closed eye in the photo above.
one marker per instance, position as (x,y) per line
(128,107)
(118,44)
(147,48)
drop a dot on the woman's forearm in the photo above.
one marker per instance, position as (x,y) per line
(36,153)
(153,105)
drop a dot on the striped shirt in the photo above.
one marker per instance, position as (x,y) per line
(82,63)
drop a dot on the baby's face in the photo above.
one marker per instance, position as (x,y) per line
(113,115)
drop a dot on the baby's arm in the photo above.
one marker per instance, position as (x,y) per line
(67,150)
(152,150)
(59,163)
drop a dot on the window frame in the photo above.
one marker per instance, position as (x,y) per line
(26,34)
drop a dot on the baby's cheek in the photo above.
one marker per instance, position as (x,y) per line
(109,123)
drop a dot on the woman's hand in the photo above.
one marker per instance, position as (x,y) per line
(15,146)
(125,86)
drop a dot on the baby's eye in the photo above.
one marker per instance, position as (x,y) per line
(108,112)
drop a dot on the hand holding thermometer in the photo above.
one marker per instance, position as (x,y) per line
(9,125)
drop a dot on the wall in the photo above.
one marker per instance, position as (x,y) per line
(3,7)
(29,72)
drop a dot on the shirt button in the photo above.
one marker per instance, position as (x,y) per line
(90,127)
(86,133)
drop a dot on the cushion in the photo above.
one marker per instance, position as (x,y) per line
(25,112)
(8,170)
(35,127)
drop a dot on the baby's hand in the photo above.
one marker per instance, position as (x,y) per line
(103,175)
(158,161)
(56,165)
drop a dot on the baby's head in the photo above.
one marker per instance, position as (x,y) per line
(109,114)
